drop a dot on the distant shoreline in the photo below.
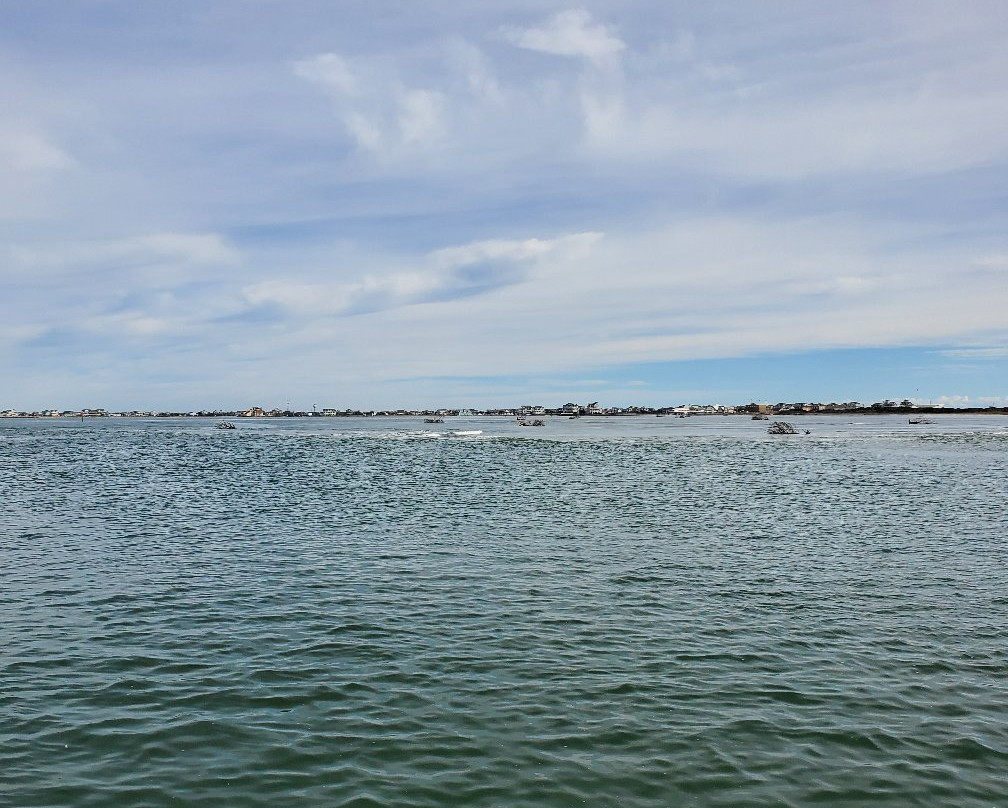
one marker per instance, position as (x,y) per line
(495,413)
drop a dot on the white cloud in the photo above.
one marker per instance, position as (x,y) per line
(131,324)
(32,166)
(569,33)
(512,250)
(330,70)
(146,251)
(378,110)
(302,297)
(366,131)
(702,288)
(783,179)
(466,60)
(689,102)
(420,114)
(22,150)
(988,353)
(735,124)
(435,279)
(993,262)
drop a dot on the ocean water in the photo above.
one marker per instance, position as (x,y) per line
(602,612)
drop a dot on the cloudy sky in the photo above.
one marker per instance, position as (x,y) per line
(375,204)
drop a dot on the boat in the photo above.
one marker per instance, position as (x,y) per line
(433,420)
(920,421)
(782,428)
(465,433)
(225,425)
(533,422)
(761,416)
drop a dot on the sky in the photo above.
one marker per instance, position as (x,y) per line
(216,204)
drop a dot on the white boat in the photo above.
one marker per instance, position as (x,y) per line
(465,433)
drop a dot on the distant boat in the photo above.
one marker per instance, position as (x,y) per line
(465,433)
(433,420)
(920,421)
(533,422)
(225,425)
(761,416)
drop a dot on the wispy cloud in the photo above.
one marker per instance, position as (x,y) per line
(569,33)
(540,190)
(380,112)
(151,250)
(23,150)
(447,274)
(1000,352)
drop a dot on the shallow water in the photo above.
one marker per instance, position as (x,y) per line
(605,612)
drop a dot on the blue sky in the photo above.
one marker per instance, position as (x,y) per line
(368,205)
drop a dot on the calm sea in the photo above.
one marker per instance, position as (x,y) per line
(602,612)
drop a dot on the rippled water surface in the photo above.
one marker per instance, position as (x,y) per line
(604,612)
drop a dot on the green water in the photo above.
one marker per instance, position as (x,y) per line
(609,612)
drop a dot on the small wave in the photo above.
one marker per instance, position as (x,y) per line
(395,434)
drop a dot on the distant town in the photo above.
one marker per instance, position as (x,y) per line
(569,410)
